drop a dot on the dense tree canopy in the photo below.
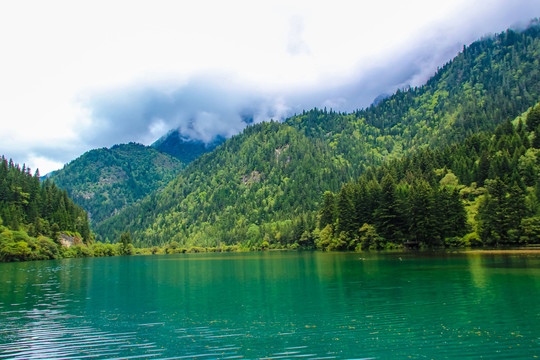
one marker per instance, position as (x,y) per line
(103,181)
(434,197)
(43,207)
(34,215)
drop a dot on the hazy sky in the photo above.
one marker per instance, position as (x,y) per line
(76,75)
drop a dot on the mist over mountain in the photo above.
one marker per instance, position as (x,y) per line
(380,98)
(183,148)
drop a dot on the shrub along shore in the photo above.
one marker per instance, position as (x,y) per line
(18,246)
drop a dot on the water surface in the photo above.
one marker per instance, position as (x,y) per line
(273,305)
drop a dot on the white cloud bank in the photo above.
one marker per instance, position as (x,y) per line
(79,75)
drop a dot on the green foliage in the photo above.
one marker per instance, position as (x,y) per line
(325,237)
(426,207)
(422,216)
(55,233)
(530,230)
(501,213)
(125,245)
(100,250)
(18,251)
(18,246)
(388,217)
(38,208)
(327,215)
(125,238)
(127,249)
(369,239)
(79,251)
(533,118)
(103,181)
(266,184)
(471,239)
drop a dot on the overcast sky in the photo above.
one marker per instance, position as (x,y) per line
(76,75)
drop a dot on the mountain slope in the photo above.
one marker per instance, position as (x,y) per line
(103,181)
(256,177)
(486,187)
(241,193)
(492,80)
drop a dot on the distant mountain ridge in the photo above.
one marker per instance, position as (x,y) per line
(103,181)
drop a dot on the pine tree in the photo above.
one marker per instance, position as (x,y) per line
(491,214)
(514,212)
(536,138)
(328,210)
(345,210)
(533,118)
(362,211)
(483,169)
(387,216)
(421,213)
(457,216)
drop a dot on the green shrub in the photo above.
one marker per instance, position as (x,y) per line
(80,251)
(530,229)
(472,239)
(15,251)
(47,248)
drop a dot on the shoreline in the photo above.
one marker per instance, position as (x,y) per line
(503,251)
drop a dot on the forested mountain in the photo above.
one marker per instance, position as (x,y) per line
(492,80)
(184,149)
(487,188)
(258,177)
(103,181)
(37,209)
(266,184)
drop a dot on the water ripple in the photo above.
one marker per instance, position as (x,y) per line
(311,307)
(48,337)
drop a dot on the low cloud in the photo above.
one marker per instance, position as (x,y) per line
(209,106)
(201,109)
(296,44)
(204,107)
(291,59)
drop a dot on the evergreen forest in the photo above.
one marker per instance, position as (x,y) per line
(482,192)
(36,216)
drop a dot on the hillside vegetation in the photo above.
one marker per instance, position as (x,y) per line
(104,181)
(265,185)
(484,191)
(35,216)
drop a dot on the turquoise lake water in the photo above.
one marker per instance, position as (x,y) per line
(280,305)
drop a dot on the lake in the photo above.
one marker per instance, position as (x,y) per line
(277,305)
